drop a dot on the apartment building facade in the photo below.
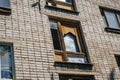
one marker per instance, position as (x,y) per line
(59,40)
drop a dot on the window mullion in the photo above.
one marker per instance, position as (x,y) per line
(78,39)
(62,42)
(103,14)
(118,18)
(61,36)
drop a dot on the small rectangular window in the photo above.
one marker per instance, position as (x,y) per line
(6,61)
(67,42)
(111,18)
(64,4)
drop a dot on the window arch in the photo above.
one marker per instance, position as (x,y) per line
(71,42)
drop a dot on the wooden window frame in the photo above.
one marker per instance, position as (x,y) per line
(64,54)
(67,4)
(108,28)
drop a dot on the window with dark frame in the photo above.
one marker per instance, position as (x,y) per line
(117,57)
(6,61)
(5,6)
(76,77)
(67,42)
(64,4)
(111,18)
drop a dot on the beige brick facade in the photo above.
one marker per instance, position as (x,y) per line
(28,28)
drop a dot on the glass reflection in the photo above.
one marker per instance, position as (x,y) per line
(5,3)
(111,19)
(76,59)
(6,62)
(71,43)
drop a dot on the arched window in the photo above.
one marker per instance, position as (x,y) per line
(71,43)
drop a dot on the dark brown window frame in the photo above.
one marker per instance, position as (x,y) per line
(108,28)
(5,10)
(64,53)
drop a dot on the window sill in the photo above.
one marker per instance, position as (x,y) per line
(72,65)
(61,9)
(112,30)
(69,53)
(5,10)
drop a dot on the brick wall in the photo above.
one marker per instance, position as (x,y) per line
(27,27)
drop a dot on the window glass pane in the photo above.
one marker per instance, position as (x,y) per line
(70,1)
(111,19)
(63,77)
(81,78)
(118,16)
(53,24)
(6,61)
(118,60)
(55,36)
(5,3)
(71,43)
(103,17)
(76,59)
